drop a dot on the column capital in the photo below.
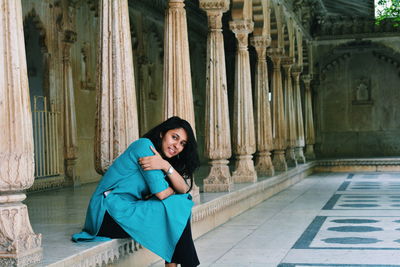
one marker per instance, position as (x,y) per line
(287,62)
(307,79)
(176,3)
(241,29)
(214,5)
(262,41)
(297,70)
(275,52)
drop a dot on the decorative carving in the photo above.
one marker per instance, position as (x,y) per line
(214,5)
(308,118)
(300,141)
(116,117)
(244,143)
(262,109)
(362,92)
(278,120)
(217,128)
(18,244)
(87,81)
(178,94)
(287,63)
(241,29)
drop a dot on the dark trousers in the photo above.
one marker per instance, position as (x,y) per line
(184,254)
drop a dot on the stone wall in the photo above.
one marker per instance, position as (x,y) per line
(356,97)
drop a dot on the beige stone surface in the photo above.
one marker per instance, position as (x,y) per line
(217,128)
(19,246)
(263,124)
(116,117)
(243,133)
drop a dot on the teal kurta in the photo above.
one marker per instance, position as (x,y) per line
(155,224)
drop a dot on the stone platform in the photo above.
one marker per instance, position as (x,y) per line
(59,213)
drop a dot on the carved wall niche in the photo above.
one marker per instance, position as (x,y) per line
(362,91)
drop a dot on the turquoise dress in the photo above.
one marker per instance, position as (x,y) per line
(155,224)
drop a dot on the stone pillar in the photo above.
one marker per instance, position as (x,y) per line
(217,130)
(287,63)
(309,128)
(244,143)
(178,95)
(262,109)
(278,115)
(116,118)
(19,245)
(300,142)
(70,129)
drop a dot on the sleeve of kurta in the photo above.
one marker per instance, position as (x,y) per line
(154,178)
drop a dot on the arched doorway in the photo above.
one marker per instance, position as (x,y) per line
(44,117)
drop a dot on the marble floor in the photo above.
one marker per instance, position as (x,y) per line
(328,219)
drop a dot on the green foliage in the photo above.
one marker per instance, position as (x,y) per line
(388,10)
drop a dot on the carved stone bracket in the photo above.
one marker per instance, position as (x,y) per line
(241,29)
(214,5)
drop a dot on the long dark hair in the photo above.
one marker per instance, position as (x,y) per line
(185,162)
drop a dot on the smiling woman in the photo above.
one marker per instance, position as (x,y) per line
(143,195)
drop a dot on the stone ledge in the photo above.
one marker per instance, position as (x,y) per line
(358,165)
(205,217)
(211,214)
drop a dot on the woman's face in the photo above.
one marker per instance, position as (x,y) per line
(173,142)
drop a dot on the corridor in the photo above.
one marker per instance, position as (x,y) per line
(328,219)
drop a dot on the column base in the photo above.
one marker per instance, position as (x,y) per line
(219,179)
(291,157)
(310,155)
(264,165)
(70,172)
(20,246)
(244,170)
(279,161)
(298,151)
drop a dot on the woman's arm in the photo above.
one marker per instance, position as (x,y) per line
(164,194)
(156,162)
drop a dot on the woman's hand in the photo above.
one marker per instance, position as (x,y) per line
(155,162)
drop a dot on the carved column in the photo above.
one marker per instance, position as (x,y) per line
(300,142)
(217,130)
(309,128)
(287,63)
(178,95)
(262,109)
(70,130)
(244,142)
(116,118)
(19,245)
(278,113)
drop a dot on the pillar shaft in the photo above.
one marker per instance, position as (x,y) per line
(217,130)
(262,109)
(244,142)
(309,122)
(178,95)
(300,142)
(287,64)
(278,118)
(70,128)
(19,245)
(116,118)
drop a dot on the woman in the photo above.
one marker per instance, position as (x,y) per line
(143,195)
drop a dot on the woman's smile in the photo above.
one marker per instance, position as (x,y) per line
(173,142)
